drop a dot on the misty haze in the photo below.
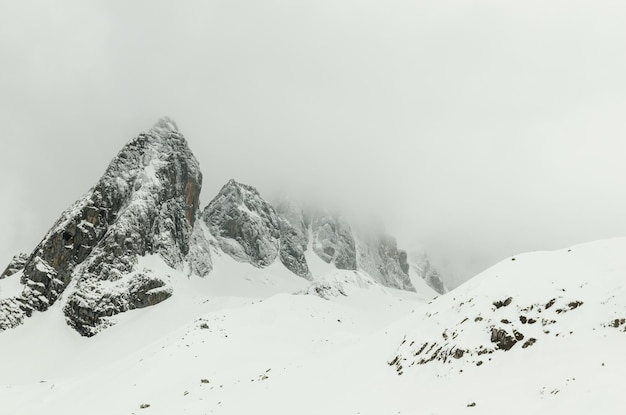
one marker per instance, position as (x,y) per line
(227,207)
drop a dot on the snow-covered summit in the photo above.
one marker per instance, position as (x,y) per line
(164,125)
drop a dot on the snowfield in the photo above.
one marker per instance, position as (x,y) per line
(246,340)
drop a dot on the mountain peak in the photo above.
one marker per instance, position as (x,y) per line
(145,203)
(164,124)
(234,185)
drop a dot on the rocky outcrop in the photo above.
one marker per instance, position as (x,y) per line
(145,203)
(324,289)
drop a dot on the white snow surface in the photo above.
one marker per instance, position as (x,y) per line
(239,342)
(11,286)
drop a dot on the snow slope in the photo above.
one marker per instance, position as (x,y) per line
(226,329)
(239,342)
(541,332)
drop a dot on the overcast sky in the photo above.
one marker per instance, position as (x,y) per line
(478,129)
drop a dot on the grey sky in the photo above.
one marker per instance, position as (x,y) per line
(477,128)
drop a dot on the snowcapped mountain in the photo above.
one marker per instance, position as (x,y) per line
(147,203)
(247,306)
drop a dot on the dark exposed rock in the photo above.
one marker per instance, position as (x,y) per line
(574,304)
(529,342)
(90,307)
(499,304)
(458,353)
(502,339)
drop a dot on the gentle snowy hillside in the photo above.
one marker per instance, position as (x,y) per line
(217,345)
(238,342)
(541,332)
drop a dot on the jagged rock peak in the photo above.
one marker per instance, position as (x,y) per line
(145,203)
(250,230)
(244,224)
(164,124)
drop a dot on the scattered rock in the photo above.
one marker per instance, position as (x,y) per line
(502,339)
(499,304)
(574,304)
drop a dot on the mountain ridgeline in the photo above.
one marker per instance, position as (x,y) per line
(147,203)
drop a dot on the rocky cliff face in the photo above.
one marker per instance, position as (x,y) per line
(337,243)
(145,203)
(249,230)
(245,226)
(379,256)
(294,234)
(333,241)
